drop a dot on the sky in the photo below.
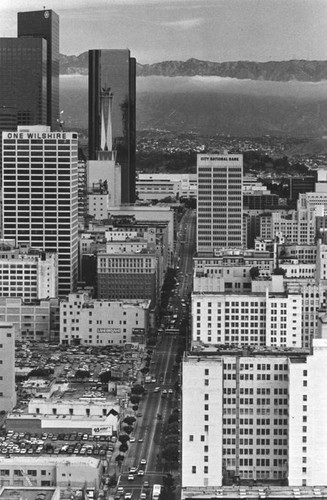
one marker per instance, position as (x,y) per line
(160,30)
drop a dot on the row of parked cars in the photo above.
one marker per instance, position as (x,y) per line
(52,443)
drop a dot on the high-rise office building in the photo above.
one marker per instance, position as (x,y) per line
(29,72)
(40,188)
(219,202)
(44,24)
(23,73)
(115,70)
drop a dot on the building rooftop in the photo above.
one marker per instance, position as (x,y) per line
(247,492)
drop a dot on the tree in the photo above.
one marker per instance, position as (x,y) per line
(144,370)
(123,447)
(135,407)
(119,458)
(173,418)
(134,399)
(279,271)
(173,428)
(129,420)
(123,438)
(254,273)
(168,482)
(128,429)
(171,453)
(137,389)
(105,377)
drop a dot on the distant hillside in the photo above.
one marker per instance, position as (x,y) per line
(277,71)
(214,106)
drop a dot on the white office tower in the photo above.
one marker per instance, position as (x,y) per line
(7,366)
(259,414)
(40,187)
(104,174)
(219,202)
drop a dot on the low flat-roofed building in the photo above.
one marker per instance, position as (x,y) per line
(102,322)
(53,470)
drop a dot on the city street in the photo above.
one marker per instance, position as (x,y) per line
(149,430)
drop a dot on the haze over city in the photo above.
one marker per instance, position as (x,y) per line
(216,30)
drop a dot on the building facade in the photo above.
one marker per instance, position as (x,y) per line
(219,202)
(101,322)
(259,416)
(40,188)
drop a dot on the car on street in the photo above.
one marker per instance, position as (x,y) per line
(140,472)
(140,440)
(128,495)
(143,461)
(130,477)
(120,490)
(156,389)
(170,391)
(146,484)
(132,470)
(132,439)
(143,496)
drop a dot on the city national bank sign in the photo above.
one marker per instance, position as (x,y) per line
(36,135)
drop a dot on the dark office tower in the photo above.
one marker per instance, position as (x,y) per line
(115,69)
(23,65)
(44,24)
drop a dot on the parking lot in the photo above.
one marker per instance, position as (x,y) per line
(75,444)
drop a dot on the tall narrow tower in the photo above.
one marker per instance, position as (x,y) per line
(117,70)
(220,202)
(45,24)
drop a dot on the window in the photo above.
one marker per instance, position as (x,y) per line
(43,472)
(193,469)
(191,437)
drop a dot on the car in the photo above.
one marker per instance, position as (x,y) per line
(143,461)
(139,415)
(146,484)
(154,380)
(132,439)
(128,495)
(140,472)
(159,416)
(164,392)
(132,470)
(156,389)
(130,477)
(143,496)
(140,440)
(170,391)
(120,490)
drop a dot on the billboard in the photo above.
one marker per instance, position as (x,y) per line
(104,430)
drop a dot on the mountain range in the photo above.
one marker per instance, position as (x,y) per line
(236,98)
(281,71)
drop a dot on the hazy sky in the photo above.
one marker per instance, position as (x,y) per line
(157,30)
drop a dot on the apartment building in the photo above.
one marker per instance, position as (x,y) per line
(259,415)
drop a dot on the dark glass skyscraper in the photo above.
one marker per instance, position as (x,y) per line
(23,76)
(115,69)
(45,24)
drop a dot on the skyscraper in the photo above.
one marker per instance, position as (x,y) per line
(220,202)
(45,24)
(29,71)
(115,69)
(39,179)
